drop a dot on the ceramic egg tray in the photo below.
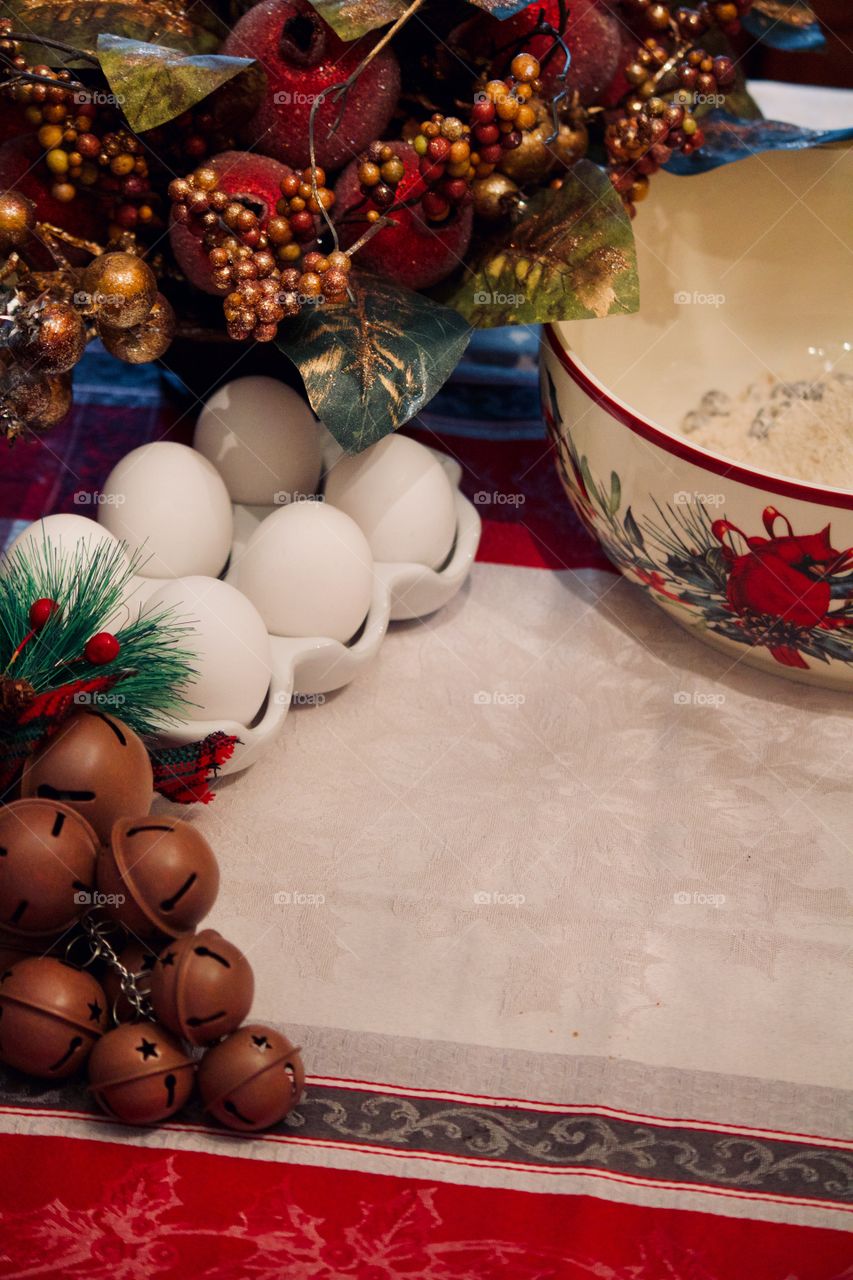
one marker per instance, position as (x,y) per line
(314,665)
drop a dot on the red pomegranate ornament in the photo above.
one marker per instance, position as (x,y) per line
(781,585)
(304,59)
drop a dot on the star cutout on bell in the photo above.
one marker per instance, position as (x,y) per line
(261,1042)
(148,1049)
(95,1011)
(168,958)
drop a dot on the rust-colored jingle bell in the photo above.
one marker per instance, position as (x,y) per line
(47,866)
(159,876)
(96,765)
(202,987)
(251,1080)
(50,1017)
(140,1074)
(139,959)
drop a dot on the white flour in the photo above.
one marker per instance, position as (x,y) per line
(798,429)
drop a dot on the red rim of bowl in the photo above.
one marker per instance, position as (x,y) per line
(813,493)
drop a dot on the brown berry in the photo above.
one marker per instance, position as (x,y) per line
(122,289)
(148,340)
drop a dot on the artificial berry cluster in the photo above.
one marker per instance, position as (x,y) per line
(50,317)
(303,198)
(252,264)
(688,22)
(503,112)
(67,121)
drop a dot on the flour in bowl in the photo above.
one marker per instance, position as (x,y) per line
(799,429)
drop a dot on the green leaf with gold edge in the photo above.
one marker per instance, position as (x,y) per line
(372,364)
(795,13)
(353,18)
(81,22)
(571,257)
(153,84)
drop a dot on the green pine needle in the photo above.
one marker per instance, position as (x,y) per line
(89,585)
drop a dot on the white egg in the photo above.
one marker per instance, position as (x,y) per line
(263,440)
(400,496)
(230,647)
(66,534)
(308,570)
(171,499)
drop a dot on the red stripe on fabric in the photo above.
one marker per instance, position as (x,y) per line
(102,1209)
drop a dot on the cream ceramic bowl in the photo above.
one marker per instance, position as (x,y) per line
(744,270)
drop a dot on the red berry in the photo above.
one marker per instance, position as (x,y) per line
(40,611)
(483,112)
(491,155)
(487,134)
(101,649)
(435,206)
(438,149)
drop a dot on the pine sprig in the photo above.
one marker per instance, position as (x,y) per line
(153,671)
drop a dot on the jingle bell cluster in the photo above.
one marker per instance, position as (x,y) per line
(83,863)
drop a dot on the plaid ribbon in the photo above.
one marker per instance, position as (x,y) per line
(183,774)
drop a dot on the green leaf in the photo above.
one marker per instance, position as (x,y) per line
(796,13)
(354,18)
(153,84)
(615,493)
(571,257)
(372,364)
(633,529)
(80,22)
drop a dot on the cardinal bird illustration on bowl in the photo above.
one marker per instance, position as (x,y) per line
(784,585)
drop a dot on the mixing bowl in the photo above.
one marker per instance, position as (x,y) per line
(744,271)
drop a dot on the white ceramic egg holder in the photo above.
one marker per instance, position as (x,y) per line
(314,665)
